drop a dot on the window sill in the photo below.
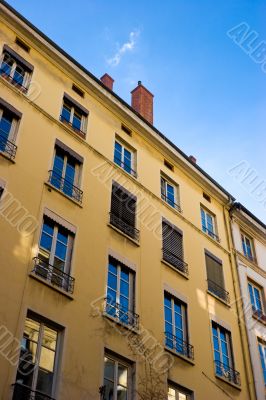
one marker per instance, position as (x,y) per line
(234,385)
(116,321)
(257,318)
(219,298)
(21,89)
(188,360)
(215,240)
(135,176)
(3,154)
(124,234)
(178,211)
(63,194)
(76,131)
(47,283)
(174,269)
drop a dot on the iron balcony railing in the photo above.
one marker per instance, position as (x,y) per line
(179,345)
(171,202)
(53,275)
(6,146)
(218,291)
(65,121)
(23,392)
(12,80)
(121,314)
(227,372)
(65,186)
(211,233)
(123,226)
(125,167)
(175,261)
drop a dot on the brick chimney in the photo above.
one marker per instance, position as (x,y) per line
(107,81)
(142,102)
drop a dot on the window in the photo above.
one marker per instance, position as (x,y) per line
(248,247)
(215,277)
(176,333)
(124,158)
(173,247)
(223,355)
(74,115)
(66,171)
(15,69)
(126,130)
(175,392)
(120,302)
(77,90)
(262,352)
(22,44)
(9,121)
(117,379)
(206,197)
(208,223)
(38,359)
(169,193)
(256,298)
(55,252)
(169,165)
(123,211)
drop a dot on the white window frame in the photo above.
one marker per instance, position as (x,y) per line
(14,125)
(206,212)
(131,151)
(252,247)
(117,361)
(73,108)
(184,317)
(261,294)
(15,64)
(185,395)
(263,345)
(228,341)
(78,166)
(164,182)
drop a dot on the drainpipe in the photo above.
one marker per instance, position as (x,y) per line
(239,305)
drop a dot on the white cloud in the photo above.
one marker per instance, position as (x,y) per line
(126,47)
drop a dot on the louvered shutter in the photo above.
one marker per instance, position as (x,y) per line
(214,274)
(172,244)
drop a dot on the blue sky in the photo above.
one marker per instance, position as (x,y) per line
(210,95)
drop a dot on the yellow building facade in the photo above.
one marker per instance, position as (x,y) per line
(117,275)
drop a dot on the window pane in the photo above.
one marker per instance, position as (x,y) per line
(127,160)
(60,250)
(77,121)
(124,288)
(118,153)
(121,393)
(18,76)
(122,375)
(49,338)
(45,381)
(109,366)
(109,390)
(46,241)
(112,281)
(6,65)
(66,111)
(47,359)
(168,314)
(250,288)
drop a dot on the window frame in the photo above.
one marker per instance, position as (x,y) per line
(133,153)
(73,107)
(260,290)
(165,181)
(17,62)
(179,390)
(262,357)
(204,227)
(130,374)
(244,238)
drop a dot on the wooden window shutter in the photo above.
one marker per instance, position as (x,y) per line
(172,241)
(214,270)
(123,206)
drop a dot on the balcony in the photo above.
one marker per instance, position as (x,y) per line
(218,291)
(72,126)
(6,146)
(179,346)
(125,167)
(121,314)
(211,233)
(171,202)
(22,392)
(53,275)
(123,226)
(65,186)
(175,261)
(224,371)
(15,80)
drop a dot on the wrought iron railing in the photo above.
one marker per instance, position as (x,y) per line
(125,167)
(65,186)
(175,261)
(12,80)
(123,226)
(211,233)
(53,275)
(121,314)
(171,202)
(67,122)
(6,146)
(227,372)
(23,392)
(179,346)
(218,291)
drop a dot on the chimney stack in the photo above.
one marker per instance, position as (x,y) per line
(142,102)
(108,81)
(193,159)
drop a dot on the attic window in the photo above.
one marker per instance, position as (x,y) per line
(169,165)
(23,45)
(207,197)
(77,90)
(126,129)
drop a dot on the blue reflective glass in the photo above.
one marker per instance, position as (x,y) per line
(168,327)
(18,76)
(69,178)
(112,281)
(112,268)
(252,300)
(57,170)
(127,160)
(178,321)
(170,195)
(168,314)
(77,122)
(111,296)
(5,127)
(125,275)
(60,250)
(262,359)
(124,302)
(214,331)
(258,301)
(62,236)
(66,112)
(222,335)
(124,288)
(203,220)
(118,154)
(46,241)
(167,301)
(215,343)
(224,348)
(177,308)
(217,356)
(6,68)
(209,223)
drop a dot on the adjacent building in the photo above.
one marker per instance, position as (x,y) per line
(249,236)
(117,275)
